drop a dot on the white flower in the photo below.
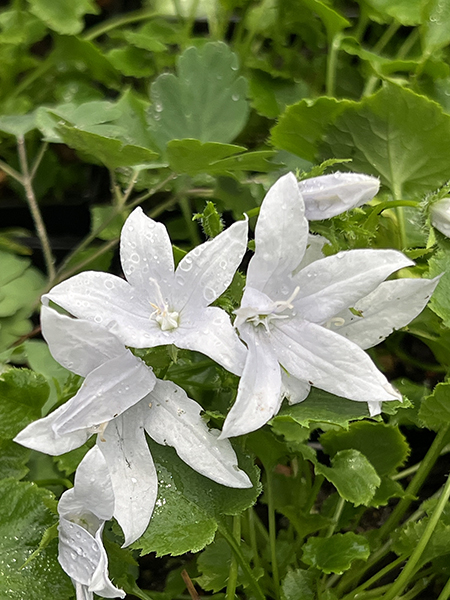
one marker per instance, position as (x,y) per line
(158,306)
(83,511)
(330,195)
(296,320)
(440,216)
(114,401)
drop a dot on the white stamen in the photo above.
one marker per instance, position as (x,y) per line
(257,318)
(165,318)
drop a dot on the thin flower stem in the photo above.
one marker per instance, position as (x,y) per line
(11,172)
(190,225)
(241,559)
(411,470)
(273,534)
(337,515)
(318,480)
(189,585)
(445,594)
(378,47)
(252,534)
(34,208)
(38,159)
(410,566)
(119,21)
(381,573)
(233,572)
(79,266)
(330,83)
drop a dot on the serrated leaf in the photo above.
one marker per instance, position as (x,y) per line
(13,459)
(299,584)
(439,303)
(64,17)
(383,445)
(336,553)
(22,395)
(204,101)
(435,409)
(388,489)
(352,475)
(408,537)
(189,506)
(24,517)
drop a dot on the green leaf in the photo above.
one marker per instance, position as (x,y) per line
(435,31)
(383,445)
(388,489)
(132,62)
(21,292)
(11,267)
(333,21)
(336,553)
(102,213)
(20,27)
(407,539)
(204,101)
(439,303)
(63,17)
(145,39)
(18,125)
(189,506)
(270,95)
(13,459)
(352,475)
(211,220)
(24,518)
(298,584)
(22,395)
(435,409)
(406,12)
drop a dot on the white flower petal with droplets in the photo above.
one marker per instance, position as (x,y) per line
(392,305)
(331,284)
(440,216)
(259,393)
(279,245)
(93,486)
(329,195)
(132,471)
(174,420)
(294,390)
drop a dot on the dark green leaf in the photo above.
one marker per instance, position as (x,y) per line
(298,584)
(65,18)
(336,553)
(13,459)
(435,409)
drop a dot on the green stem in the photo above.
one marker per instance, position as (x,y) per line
(34,208)
(252,534)
(233,572)
(445,594)
(38,159)
(330,83)
(381,573)
(273,534)
(379,46)
(337,515)
(410,566)
(190,225)
(241,559)
(416,483)
(387,204)
(119,21)
(11,172)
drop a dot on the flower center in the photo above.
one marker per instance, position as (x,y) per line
(254,316)
(166,319)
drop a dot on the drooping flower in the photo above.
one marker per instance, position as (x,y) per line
(329,195)
(293,305)
(119,400)
(440,216)
(83,511)
(158,305)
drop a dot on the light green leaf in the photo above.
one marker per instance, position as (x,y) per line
(439,303)
(24,517)
(299,584)
(189,505)
(18,125)
(63,17)
(435,409)
(22,393)
(204,101)
(131,61)
(333,21)
(407,539)
(21,292)
(383,445)
(435,31)
(336,553)
(11,267)
(102,213)
(406,12)
(20,27)
(352,475)
(145,39)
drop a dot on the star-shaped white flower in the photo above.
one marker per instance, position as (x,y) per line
(83,511)
(119,400)
(296,320)
(158,305)
(329,195)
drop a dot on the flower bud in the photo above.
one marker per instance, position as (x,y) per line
(440,216)
(330,195)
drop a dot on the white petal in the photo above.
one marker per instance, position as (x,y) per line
(210,332)
(294,389)
(259,393)
(206,272)
(440,216)
(330,362)
(82,592)
(281,236)
(78,345)
(146,253)
(111,302)
(79,551)
(106,393)
(174,420)
(93,486)
(331,284)
(313,251)
(132,471)
(40,436)
(330,195)
(100,583)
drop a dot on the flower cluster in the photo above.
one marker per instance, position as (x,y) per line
(304,320)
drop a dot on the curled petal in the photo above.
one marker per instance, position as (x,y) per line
(294,390)
(174,420)
(93,488)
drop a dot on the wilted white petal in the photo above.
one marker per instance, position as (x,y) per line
(329,195)
(293,389)
(392,305)
(132,471)
(259,392)
(40,436)
(78,345)
(440,216)
(281,235)
(106,393)
(330,362)
(207,270)
(93,486)
(146,253)
(331,284)
(174,420)
(210,332)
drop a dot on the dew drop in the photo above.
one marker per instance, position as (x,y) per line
(209,294)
